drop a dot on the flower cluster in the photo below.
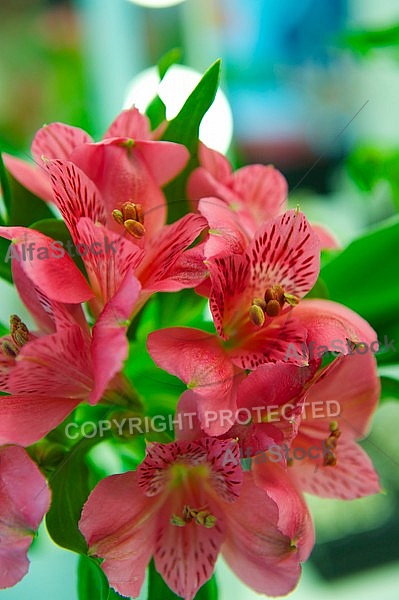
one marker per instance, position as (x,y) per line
(219,486)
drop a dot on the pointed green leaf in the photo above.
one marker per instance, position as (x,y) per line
(171,57)
(184,127)
(70,489)
(158,589)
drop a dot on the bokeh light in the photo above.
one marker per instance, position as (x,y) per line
(156,3)
(216,128)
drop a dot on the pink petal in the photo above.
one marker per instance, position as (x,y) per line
(294,518)
(54,365)
(25,419)
(75,194)
(230,289)
(327,240)
(57,140)
(121,174)
(24,500)
(215,163)
(164,160)
(225,231)
(357,400)
(285,252)
(352,477)
(283,340)
(263,190)
(197,359)
(37,302)
(110,346)
(189,269)
(34,178)
(157,271)
(125,537)
(54,273)
(186,556)
(131,124)
(108,259)
(330,325)
(255,548)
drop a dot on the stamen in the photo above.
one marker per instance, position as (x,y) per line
(200,516)
(330,458)
(132,217)
(256,315)
(275,298)
(9,350)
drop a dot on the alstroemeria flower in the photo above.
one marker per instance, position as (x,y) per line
(158,254)
(187,502)
(24,500)
(236,204)
(126,166)
(47,373)
(337,411)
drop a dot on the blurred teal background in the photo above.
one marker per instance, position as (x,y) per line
(295,74)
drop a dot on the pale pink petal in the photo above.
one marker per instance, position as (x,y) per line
(330,325)
(263,191)
(32,177)
(215,163)
(131,124)
(25,419)
(119,525)
(110,346)
(75,194)
(352,477)
(255,548)
(24,500)
(327,240)
(164,160)
(51,269)
(197,358)
(356,401)
(285,252)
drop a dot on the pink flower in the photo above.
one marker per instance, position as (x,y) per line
(126,165)
(47,373)
(186,502)
(236,204)
(350,387)
(24,500)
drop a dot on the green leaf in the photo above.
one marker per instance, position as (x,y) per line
(92,581)
(26,208)
(363,41)
(156,112)
(184,129)
(363,276)
(5,265)
(70,489)
(171,57)
(158,589)
(5,189)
